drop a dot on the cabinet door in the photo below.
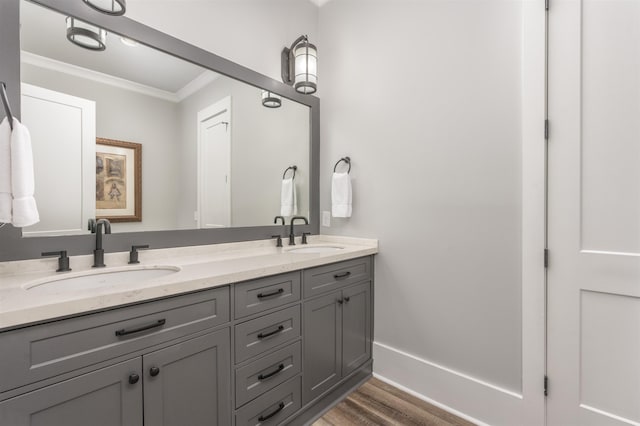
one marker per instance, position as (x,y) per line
(189,383)
(356,327)
(101,398)
(322,344)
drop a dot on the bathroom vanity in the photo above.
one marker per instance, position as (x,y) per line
(276,348)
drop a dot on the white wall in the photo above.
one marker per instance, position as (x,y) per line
(424,96)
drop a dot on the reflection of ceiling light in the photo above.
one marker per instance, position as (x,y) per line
(300,65)
(86,35)
(110,7)
(271,100)
(128,42)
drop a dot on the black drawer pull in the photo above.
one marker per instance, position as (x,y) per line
(273,373)
(124,331)
(273,293)
(346,299)
(133,378)
(271,333)
(154,371)
(343,275)
(268,416)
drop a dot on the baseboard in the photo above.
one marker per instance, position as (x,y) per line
(465,396)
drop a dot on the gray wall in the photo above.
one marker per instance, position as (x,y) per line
(264,142)
(133,117)
(425,98)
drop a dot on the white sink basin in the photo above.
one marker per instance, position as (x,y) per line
(315,249)
(100,278)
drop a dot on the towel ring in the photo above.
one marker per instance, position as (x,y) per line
(346,160)
(5,103)
(294,168)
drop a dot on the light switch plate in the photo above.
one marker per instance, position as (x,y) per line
(326,219)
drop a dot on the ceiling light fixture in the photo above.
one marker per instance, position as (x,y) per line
(86,35)
(271,100)
(299,65)
(109,7)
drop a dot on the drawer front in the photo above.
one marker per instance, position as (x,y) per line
(266,373)
(262,294)
(273,407)
(261,334)
(42,351)
(330,277)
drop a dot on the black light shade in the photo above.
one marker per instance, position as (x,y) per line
(271,100)
(86,35)
(109,7)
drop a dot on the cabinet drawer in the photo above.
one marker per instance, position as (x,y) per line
(266,332)
(259,295)
(266,373)
(42,351)
(273,407)
(330,277)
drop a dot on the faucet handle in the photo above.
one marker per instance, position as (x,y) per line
(133,254)
(91,226)
(304,237)
(278,241)
(63,260)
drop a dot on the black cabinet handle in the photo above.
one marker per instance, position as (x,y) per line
(340,301)
(124,331)
(271,333)
(346,299)
(343,275)
(133,378)
(273,293)
(268,416)
(273,373)
(154,371)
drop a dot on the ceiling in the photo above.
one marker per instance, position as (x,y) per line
(43,33)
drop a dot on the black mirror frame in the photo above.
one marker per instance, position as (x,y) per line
(14,247)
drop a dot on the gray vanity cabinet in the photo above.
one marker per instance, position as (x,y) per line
(337,337)
(189,383)
(103,397)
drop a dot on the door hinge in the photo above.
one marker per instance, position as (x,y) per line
(546,129)
(546,258)
(546,385)
(546,4)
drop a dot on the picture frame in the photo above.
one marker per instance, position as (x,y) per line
(118,180)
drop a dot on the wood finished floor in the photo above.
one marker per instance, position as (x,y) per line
(377,403)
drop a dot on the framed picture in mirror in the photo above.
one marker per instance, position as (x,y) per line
(118,180)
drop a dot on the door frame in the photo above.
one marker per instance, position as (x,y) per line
(534,213)
(221,108)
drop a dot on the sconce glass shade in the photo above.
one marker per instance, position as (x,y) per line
(306,68)
(271,100)
(109,7)
(299,66)
(86,35)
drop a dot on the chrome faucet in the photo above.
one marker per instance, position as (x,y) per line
(292,237)
(96,226)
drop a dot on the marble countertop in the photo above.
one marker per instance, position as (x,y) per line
(24,302)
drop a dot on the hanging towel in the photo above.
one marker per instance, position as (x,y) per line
(288,202)
(341,195)
(5,172)
(25,211)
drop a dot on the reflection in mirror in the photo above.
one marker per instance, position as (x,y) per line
(211,154)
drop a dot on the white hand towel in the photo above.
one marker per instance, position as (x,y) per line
(5,172)
(25,211)
(341,195)
(288,202)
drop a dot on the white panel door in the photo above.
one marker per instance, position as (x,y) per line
(214,165)
(63,137)
(593,354)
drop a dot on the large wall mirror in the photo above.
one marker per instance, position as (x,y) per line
(162,138)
